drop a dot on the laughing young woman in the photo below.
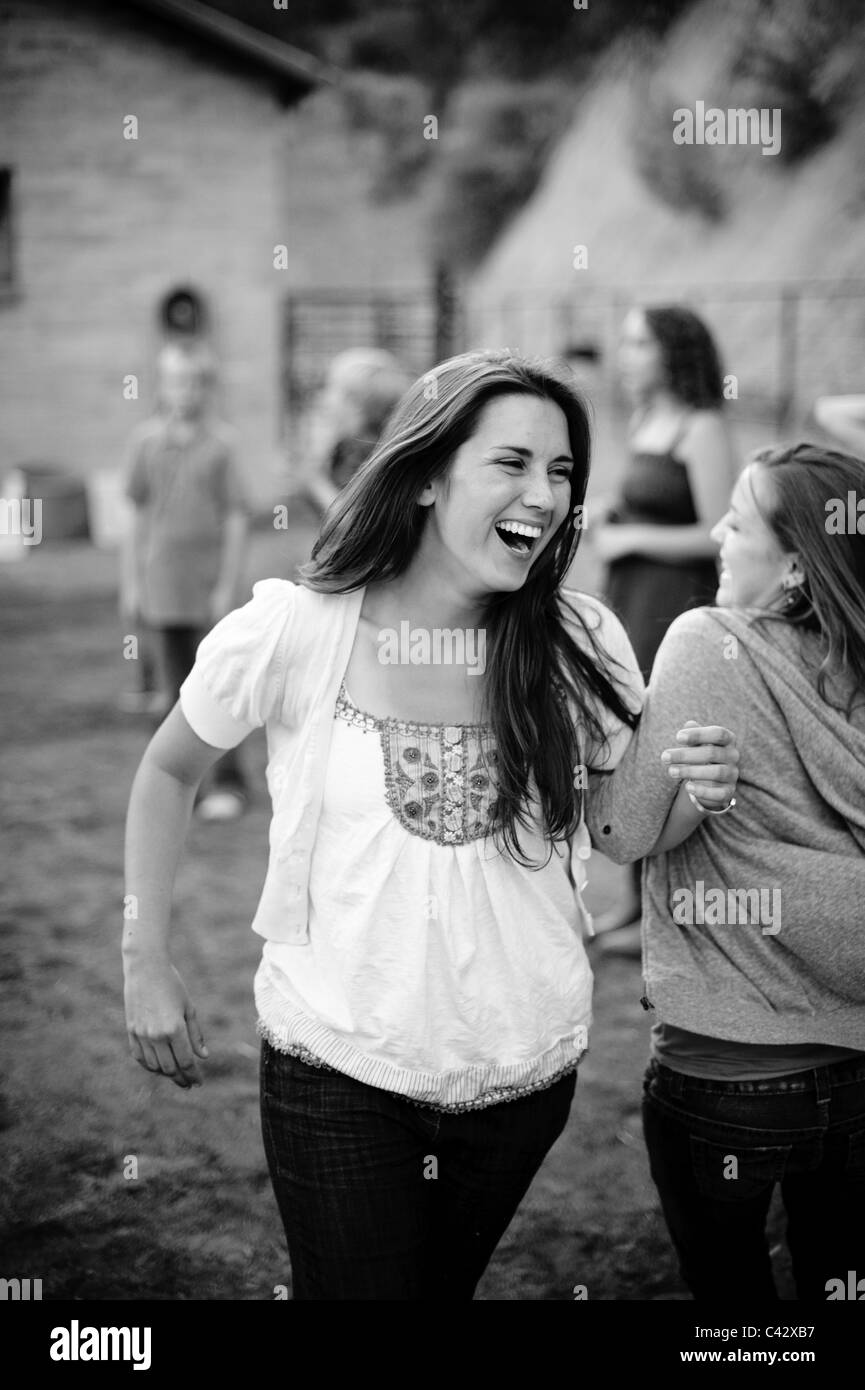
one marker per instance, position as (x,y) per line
(424,994)
(754,930)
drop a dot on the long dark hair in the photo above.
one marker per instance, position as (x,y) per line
(688,352)
(534,666)
(803,480)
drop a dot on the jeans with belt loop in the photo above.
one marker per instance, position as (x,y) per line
(384,1199)
(717,1150)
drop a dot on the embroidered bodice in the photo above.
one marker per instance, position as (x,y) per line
(438,777)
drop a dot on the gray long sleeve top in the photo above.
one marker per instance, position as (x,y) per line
(754,927)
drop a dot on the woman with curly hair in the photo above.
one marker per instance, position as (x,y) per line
(654,537)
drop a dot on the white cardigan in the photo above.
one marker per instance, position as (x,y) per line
(278,662)
(240,681)
(492,1003)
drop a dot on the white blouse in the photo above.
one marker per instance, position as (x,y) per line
(400,947)
(437,967)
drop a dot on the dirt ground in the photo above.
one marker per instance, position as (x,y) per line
(199,1220)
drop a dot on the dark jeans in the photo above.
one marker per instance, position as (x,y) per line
(175,649)
(383,1199)
(717,1149)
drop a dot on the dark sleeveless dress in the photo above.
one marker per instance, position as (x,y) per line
(648,594)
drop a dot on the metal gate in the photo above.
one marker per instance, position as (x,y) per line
(419,326)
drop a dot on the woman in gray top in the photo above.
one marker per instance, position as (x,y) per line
(754,927)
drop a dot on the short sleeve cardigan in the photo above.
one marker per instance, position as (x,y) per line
(484,996)
(278,662)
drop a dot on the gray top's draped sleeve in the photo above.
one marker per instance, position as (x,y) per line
(628,808)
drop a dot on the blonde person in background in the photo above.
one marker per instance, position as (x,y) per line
(363,385)
(184,553)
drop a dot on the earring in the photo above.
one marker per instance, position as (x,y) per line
(790,587)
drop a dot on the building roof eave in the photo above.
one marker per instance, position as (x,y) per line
(297,72)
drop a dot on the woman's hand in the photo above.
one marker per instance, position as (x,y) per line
(164,1034)
(612,541)
(708,758)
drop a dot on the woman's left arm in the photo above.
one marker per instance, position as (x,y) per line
(707,453)
(635,809)
(627,806)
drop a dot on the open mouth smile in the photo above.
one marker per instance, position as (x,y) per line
(519,537)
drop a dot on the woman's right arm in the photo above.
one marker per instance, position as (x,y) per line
(131,544)
(133,483)
(164,1035)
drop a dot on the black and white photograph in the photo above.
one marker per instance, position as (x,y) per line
(432,670)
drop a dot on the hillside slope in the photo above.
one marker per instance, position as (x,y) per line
(781,222)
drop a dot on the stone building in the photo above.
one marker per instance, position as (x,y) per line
(142,152)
